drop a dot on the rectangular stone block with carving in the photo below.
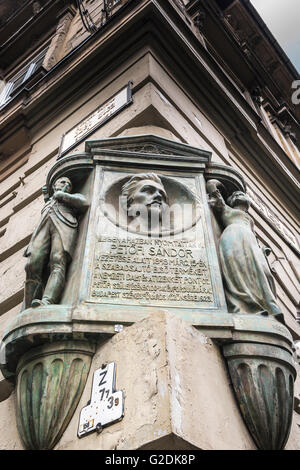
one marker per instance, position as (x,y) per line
(130,266)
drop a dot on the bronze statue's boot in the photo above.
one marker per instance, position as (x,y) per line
(54,288)
(36,303)
(32,290)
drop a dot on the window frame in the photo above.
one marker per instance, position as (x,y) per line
(28,70)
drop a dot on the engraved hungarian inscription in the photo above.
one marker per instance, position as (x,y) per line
(149,269)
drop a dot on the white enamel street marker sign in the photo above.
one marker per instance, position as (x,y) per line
(106,405)
(96,118)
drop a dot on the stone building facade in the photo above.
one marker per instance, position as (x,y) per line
(197,75)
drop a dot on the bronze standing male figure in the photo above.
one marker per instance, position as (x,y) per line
(53,243)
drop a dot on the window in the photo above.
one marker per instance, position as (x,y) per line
(15,83)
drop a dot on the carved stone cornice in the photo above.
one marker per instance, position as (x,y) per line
(263,52)
(85,322)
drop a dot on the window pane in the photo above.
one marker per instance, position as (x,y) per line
(16,81)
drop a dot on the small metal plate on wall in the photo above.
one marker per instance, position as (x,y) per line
(106,405)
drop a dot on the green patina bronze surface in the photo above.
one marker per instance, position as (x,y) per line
(263,380)
(248,282)
(52,243)
(51,379)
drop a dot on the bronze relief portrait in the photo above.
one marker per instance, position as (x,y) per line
(151,204)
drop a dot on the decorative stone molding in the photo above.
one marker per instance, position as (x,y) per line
(263,380)
(50,382)
(56,48)
(199,20)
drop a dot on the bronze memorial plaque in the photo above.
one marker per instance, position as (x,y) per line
(163,261)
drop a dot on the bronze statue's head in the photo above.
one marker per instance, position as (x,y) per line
(145,189)
(147,201)
(62,184)
(238,198)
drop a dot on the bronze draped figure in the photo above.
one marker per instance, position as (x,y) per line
(249,285)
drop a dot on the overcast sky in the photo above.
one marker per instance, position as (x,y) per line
(283,20)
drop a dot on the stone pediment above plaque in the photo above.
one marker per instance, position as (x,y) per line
(151,146)
(148,148)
